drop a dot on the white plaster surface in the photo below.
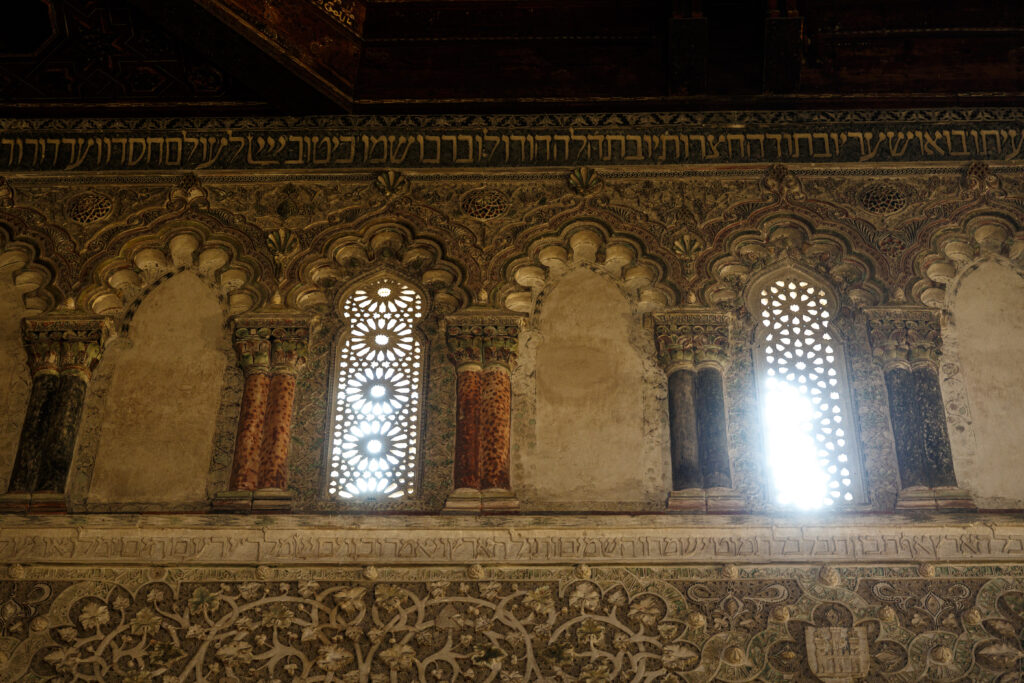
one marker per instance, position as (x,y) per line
(988,316)
(15,383)
(158,425)
(590,407)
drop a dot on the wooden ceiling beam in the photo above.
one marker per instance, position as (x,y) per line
(320,41)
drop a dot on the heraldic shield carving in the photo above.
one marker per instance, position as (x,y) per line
(837,653)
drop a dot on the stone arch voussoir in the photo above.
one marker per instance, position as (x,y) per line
(21,261)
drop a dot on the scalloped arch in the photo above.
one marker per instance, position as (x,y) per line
(34,278)
(223,256)
(348,253)
(745,250)
(589,241)
(957,244)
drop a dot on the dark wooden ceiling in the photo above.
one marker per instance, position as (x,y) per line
(321,56)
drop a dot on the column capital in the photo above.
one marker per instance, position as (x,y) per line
(482,340)
(65,343)
(904,337)
(688,339)
(272,341)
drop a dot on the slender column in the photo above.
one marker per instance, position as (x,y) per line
(62,350)
(482,347)
(693,347)
(682,420)
(465,348)
(711,434)
(469,386)
(289,343)
(272,347)
(252,345)
(499,345)
(907,343)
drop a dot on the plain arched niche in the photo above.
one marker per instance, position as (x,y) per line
(589,447)
(156,437)
(988,317)
(15,383)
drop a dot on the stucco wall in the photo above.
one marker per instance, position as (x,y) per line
(15,382)
(988,320)
(158,424)
(590,444)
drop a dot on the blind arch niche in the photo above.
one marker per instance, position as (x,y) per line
(804,394)
(378,380)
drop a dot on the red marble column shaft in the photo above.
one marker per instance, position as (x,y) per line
(495,428)
(467,429)
(246,466)
(277,432)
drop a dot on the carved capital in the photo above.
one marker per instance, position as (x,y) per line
(904,338)
(483,340)
(70,344)
(266,343)
(686,340)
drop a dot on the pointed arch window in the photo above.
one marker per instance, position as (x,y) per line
(805,396)
(375,427)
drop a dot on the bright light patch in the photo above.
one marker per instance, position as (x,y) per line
(803,415)
(373,449)
(799,477)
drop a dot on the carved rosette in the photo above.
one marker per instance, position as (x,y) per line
(65,345)
(687,340)
(905,338)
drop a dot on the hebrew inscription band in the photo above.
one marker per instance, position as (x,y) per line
(648,139)
(515,539)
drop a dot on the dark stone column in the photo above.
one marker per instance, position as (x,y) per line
(63,349)
(937,463)
(682,420)
(899,382)
(908,344)
(711,434)
(32,444)
(693,347)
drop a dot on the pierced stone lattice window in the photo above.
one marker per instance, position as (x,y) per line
(377,395)
(806,411)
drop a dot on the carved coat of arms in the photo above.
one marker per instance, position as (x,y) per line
(837,653)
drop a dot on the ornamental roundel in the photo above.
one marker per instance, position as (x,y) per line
(377,395)
(883,198)
(485,204)
(90,207)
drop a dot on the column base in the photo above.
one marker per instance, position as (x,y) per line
(934,498)
(260,500)
(498,501)
(38,503)
(464,501)
(717,500)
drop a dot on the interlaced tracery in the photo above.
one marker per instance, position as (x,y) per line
(805,412)
(380,367)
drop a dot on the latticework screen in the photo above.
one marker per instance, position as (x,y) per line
(380,366)
(805,411)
